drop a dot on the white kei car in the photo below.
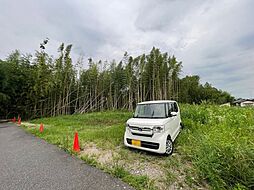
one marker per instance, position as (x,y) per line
(154,126)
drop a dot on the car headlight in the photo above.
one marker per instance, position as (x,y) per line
(158,129)
(127,127)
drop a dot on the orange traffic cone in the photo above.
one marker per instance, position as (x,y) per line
(19,121)
(14,119)
(41,128)
(76,147)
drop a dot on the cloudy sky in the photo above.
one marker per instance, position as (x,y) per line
(213,39)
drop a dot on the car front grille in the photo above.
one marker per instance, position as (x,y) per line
(140,128)
(141,131)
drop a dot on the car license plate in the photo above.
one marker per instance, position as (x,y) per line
(136,142)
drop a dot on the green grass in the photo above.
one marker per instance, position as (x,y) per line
(219,143)
(215,149)
(138,181)
(97,127)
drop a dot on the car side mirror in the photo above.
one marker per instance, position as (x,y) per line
(172,114)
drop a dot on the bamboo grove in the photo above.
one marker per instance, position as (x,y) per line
(40,85)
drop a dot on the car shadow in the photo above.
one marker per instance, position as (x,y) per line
(143,152)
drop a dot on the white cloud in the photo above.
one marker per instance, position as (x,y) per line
(214,39)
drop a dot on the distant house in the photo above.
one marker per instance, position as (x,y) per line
(243,102)
(247,103)
(225,105)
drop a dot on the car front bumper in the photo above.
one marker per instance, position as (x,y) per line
(156,143)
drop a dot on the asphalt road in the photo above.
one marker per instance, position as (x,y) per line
(27,162)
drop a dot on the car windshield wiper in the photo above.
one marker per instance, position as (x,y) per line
(143,117)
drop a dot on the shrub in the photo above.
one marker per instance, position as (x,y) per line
(220,144)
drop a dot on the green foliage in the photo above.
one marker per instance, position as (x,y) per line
(99,127)
(15,84)
(138,181)
(191,91)
(89,160)
(219,142)
(215,146)
(41,85)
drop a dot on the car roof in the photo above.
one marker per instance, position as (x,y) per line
(157,102)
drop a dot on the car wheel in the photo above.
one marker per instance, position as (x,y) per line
(182,126)
(169,146)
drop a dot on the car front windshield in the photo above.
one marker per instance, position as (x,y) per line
(156,110)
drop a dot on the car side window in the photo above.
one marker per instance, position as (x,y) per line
(170,107)
(175,107)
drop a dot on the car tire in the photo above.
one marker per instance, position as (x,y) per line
(169,146)
(182,126)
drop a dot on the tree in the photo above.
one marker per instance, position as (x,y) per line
(41,85)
